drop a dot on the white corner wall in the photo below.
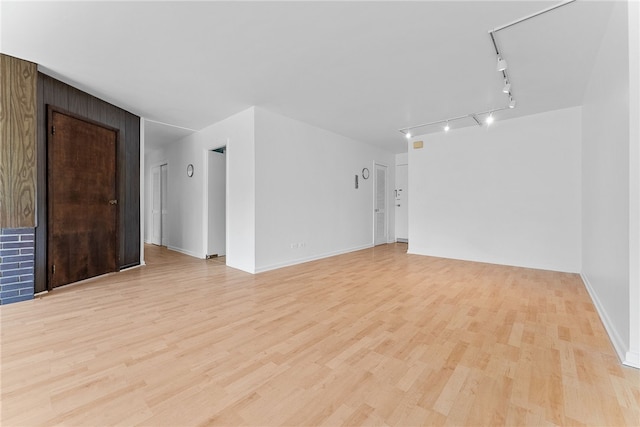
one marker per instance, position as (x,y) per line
(606,197)
(305,193)
(186,198)
(508,194)
(632,356)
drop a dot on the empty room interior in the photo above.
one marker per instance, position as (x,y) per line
(320,213)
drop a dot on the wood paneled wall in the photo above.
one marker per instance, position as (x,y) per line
(17,142)
(67,98)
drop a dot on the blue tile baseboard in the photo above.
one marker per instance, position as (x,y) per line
(16,264)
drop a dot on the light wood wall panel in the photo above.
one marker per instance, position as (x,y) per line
(18,144)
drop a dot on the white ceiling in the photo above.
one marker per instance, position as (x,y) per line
(360,69)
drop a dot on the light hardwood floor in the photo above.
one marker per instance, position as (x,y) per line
(371,337)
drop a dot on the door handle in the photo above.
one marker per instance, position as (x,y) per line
(398,205)
(113,202)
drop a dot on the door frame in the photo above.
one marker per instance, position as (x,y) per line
(148,196)
(386,208)
(205,196)
(405,201)
(164,205)
(50,111)
(152,188)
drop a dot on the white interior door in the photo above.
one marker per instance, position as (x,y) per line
(380,205)
(163,205)
(156,210)
(402,197)
(216,199)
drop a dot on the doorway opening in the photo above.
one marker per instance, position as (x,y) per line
(380,223)
(215,203)
(402,196)
(159,209)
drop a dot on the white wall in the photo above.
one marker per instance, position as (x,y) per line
(402,159)
(287,183)
(632,356)
(305,192)
(606,182)
(508,194)
(187,197)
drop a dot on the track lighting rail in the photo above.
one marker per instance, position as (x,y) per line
(473,116)
(533,15)
(501,67)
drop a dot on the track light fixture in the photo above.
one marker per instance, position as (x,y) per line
(489,119)
(475,116)
(502,64)
(507,86)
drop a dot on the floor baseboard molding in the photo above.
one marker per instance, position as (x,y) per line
(132,267)
(632,359)
(617,342)
(310,258)
(184,251)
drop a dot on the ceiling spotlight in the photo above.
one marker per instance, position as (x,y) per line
(502,64)
(446,127)
(489,119)
(512,102)
(408,135)
(507,86)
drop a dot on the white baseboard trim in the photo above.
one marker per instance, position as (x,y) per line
(310,258)
(184,251)
(133,267)
(413,250)
(241,268)
(632,359)
(618,343)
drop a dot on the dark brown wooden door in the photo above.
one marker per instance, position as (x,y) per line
(83,212)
